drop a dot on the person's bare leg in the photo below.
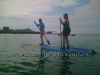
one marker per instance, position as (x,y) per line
(41,36)
(67,41)
(64,41)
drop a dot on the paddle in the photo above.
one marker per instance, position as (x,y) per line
(44,35)
(60,34)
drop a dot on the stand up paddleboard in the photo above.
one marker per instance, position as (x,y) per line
(52,48)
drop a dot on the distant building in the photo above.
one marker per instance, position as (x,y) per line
(1,31)
(6,29)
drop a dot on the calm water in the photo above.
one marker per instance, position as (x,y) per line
(15,58)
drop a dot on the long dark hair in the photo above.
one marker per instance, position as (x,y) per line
(66,15)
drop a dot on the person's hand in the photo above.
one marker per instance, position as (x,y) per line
(61,32)
(34,22)
(60,19)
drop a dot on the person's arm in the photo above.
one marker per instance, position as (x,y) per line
(63,23)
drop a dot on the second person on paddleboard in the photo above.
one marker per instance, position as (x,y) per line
(42,31)
(66,31)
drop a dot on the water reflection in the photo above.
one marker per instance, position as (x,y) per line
(41,64)
(65,65)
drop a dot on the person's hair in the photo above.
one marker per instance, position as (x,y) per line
(66,15)
(40,19)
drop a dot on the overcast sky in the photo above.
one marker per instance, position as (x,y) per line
(84,15)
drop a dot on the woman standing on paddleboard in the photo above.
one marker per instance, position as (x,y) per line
(66,30)
(41,26)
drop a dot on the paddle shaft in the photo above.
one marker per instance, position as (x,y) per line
(60,34)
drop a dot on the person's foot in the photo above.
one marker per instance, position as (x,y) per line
(68,47)
(41,44)
(63,48)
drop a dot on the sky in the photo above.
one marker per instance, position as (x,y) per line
(84,15)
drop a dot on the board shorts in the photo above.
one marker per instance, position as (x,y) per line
(66,31)
(42,30)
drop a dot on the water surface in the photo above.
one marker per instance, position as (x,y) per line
(24,64)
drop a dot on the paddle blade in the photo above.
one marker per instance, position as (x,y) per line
(48,42)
